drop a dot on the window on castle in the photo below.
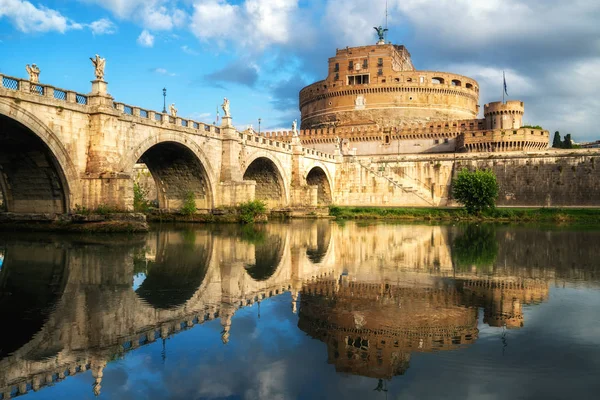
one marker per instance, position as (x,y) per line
(337,67)
(380,72)
(446,140)
(436,141)
(351,65)
(387,139)
(337,77)
(365,64)
(380,62)
(358,79)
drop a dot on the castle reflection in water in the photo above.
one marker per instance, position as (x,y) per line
(374,294)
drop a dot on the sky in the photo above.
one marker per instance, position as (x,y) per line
(260,53)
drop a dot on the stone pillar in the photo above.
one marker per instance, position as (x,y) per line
(301,195)
(103,182)
(233,188)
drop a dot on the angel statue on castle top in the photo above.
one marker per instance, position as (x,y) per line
(381,33)
(295,128)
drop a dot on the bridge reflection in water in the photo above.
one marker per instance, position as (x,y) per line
(375,294)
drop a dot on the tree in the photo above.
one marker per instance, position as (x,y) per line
(567,143)
(476,190)
(557,142)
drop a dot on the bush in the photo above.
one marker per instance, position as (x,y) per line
(249,210)
(189,204)
(140,198)
(477,190)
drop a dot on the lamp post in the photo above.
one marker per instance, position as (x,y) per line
(164,100)
(259,120)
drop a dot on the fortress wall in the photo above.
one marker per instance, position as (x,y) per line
(542,179)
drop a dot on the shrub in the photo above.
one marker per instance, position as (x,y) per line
(476,190)
(250,209)
(189,204)
(140,198)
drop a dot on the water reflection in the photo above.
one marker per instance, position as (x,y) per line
(376,296)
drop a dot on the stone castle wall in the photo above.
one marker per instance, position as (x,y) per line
(542,179)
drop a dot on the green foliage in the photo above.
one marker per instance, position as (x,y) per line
(557,142)
(477,246)
(477,190)
(250,209)
(567,143)
(105,209)
(140,198)
(532,127)
(189,204)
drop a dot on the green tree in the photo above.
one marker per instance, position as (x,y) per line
(477,190)
(557,142)
(189,204)
(140,198)
(567,143)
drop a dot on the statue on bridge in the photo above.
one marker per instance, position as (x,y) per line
(173,110)
(99,64)
(225,106)
(34,73)
(295,128)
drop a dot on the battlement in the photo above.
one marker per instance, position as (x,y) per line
(509,107)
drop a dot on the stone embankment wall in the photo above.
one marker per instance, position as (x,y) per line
(542,179)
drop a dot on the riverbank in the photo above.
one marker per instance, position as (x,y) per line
(553,215)
(78,223)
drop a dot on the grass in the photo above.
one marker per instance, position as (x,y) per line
(554,215)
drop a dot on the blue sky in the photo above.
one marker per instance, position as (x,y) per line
(259,53)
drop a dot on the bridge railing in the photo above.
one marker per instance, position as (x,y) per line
(255,138)
(165,118)
(43,90)
(317,153)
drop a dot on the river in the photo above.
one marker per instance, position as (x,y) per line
(305,310)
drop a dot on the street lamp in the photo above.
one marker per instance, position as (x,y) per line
(164,100)
(259,120)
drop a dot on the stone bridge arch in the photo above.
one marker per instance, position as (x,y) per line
(272,182)
(317,174)
(38,175)
(179,166)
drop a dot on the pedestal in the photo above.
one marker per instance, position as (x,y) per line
(99,87)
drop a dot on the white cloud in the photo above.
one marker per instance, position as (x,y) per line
(103,26)
(145,39)
(187,50)
(255,24)
(30,19)
(156,15)
(163,71)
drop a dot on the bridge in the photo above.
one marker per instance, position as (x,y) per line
(60,149)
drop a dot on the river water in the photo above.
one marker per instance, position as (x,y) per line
(302,310)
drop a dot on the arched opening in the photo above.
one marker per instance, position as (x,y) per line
(174,274)
(317,177)
(268,251)
(32,280)
(269,183)
(178,176)
(437,80)
(469,86)
(456,82)
(31,180)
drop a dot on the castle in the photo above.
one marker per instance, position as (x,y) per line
(375,101)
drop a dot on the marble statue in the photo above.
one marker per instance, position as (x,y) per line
(295,128)
(34,73)
(225,107)
(173,110)
(99,64)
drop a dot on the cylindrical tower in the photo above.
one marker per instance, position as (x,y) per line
(499,115)
(378,84)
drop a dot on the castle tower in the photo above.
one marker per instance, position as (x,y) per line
(499,115)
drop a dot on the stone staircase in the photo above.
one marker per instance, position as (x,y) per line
(404,183)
